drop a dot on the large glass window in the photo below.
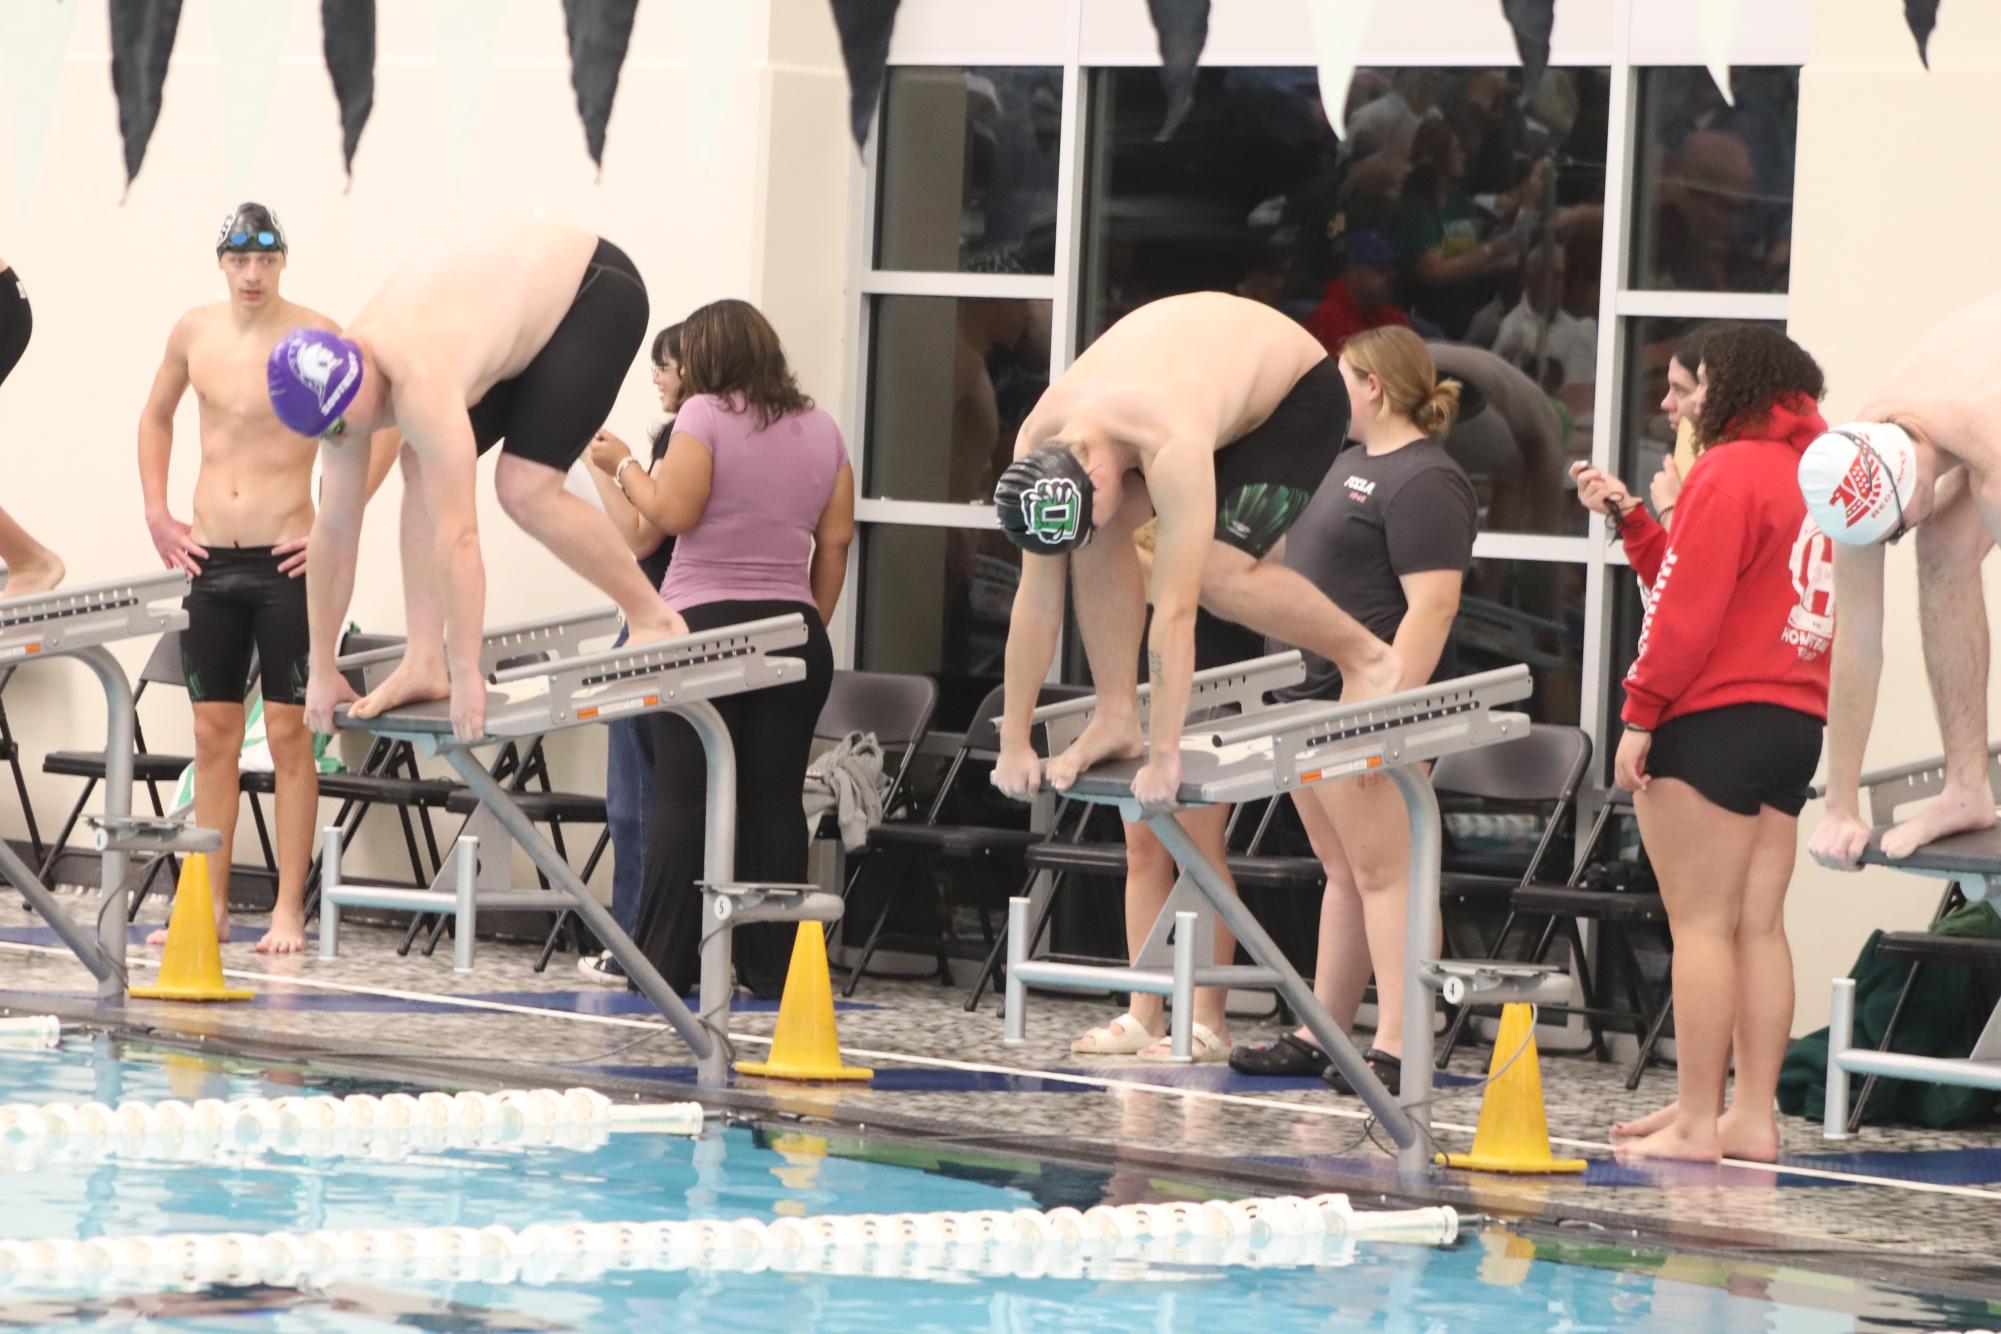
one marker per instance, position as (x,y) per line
(935,601)
(950,380)
(1645,438)
(1524,611)
(1450,208)
(1713,183)
(967,181)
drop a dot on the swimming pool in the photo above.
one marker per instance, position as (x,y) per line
(1493,1278)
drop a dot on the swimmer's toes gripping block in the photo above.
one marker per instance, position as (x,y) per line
(1239,687)
(503,646)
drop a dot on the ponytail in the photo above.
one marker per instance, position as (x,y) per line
(1435,415)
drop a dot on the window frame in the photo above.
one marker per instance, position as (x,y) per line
(1078,36)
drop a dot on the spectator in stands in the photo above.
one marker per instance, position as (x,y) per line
(1361,292)
(1539,327)
(1451,253)
(757,489)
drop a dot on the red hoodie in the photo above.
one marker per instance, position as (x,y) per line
(1742,603)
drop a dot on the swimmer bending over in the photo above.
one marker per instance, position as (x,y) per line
(1925,456)
(1220,416)
(522,335)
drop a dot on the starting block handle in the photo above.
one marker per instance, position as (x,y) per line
(1503,685)
(730,641)
(1244,684)
(64,620)
(551,635)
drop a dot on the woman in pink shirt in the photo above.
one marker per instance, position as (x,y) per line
(757,491)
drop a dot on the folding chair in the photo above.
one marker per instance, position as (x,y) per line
(930,838)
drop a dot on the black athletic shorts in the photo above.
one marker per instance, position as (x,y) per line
(239,604)
(1265,477)
(16,321)
(1743,757)
(550,411)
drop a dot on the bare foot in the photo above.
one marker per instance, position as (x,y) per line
(287,933)
(1672,1141)
(1099,741)
(221,930)
(32,577)
(1647,1124)
(1381,675)
(1749,1136)
(1950,812)
(405,685)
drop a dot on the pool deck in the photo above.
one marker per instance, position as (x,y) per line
(1890,1202)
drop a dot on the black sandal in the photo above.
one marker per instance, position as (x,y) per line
(1287,1056)
(1386,1067)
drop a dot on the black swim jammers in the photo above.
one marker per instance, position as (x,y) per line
(1265,477)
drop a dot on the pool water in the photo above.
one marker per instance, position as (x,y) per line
(1493,1279)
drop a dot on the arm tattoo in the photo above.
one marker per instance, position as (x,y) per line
(1154,669)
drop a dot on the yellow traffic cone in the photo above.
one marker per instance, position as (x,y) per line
(805,1045)
(1513,1135)
(191,967)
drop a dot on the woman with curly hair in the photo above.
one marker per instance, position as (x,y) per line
(1725,706)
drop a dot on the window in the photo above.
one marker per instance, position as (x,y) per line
(1644,436)
(968,170)
(936,601)
(1524,611)
(1713,184)
(950,380)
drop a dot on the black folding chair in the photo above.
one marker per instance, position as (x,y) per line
(10,754)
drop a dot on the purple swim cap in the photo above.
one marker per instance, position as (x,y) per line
(313,376)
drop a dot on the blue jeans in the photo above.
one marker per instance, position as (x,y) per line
(628,804)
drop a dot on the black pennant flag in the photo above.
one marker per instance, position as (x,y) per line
(1922,15)
(142,39)
(1183,26)
(865,26)
(600,32)
(1532,21)
(349,41)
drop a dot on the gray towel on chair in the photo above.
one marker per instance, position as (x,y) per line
(851,773)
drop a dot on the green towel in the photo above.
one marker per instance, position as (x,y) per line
(256,755)
(1947,1010)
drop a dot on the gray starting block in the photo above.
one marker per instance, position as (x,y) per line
(676,676)
(1263,752)
(78,623)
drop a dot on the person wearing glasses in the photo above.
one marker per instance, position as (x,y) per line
(245,552)
(522,335)
(1922,455)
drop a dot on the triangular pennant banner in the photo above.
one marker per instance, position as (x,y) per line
(142,40)
(1183,27)
(1716,28)
(865,27)
(1338,27)
(1532,21)
(34,41)
(249,35)
(1922,15)
(600,31)
(467,31)
(349,40)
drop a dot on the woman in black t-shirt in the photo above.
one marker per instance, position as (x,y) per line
(629,747)
(1389,538)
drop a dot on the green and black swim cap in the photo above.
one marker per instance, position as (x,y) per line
(250,227)
(1043,501)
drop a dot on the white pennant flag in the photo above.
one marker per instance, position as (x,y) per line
(716,40)
(467,32)
(1338,29)
(34,44)
(1716,29)
(249,37)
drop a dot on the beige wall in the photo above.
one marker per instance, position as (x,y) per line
(1889,175)
(763,213)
